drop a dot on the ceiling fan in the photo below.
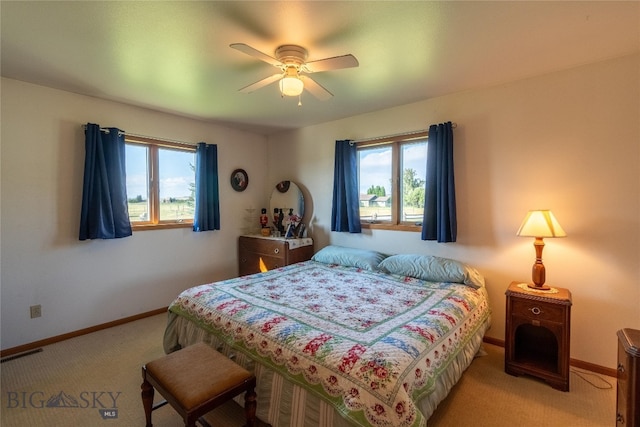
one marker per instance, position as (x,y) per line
(291,60)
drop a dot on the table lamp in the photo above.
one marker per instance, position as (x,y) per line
(540,224)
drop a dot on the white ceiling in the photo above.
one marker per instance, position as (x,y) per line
(175,56)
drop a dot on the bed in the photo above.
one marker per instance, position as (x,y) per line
(350,338)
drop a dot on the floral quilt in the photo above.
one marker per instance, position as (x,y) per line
(370,343)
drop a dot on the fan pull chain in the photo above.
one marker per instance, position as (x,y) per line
(300,100)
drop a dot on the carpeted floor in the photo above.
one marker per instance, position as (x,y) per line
(101,371)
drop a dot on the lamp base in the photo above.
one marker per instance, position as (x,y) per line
(539,288)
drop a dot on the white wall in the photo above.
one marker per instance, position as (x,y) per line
(82,284)
(567,141)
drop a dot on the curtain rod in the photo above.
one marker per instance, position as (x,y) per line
(415,132)
(135,135)
(105,130)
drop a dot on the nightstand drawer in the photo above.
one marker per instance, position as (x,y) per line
(537,310)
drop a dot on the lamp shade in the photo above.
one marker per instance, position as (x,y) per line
(540,223)
(291,86)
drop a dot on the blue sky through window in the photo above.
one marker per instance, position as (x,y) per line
(175,172)
(375,165)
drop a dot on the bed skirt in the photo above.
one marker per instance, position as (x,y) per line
(284,404)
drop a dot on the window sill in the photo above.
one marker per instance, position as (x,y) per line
(394,227)
(161,226)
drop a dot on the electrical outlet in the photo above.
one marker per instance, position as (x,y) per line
(36,311)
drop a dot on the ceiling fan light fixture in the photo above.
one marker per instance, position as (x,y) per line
(291,86)
(292,61)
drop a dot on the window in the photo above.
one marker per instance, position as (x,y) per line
(391,180)
(160,183)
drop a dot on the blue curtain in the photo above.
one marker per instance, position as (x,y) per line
(104,213)
(207,215)
(345,211)
(439,220)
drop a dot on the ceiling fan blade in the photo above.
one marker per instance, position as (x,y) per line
(244,48)
(315,88)
(261,83)
(335,63)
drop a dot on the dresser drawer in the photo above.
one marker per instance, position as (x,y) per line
(621,409)
(271,248)
(622,373)
(253,264)
(259,254)
(537,310)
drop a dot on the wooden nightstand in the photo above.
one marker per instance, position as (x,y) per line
(257,253)
(537,335)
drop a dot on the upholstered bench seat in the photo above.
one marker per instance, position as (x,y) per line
(195,380)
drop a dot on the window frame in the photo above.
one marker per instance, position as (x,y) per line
(396,143)
(153,161)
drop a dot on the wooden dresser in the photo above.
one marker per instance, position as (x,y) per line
(258,253)
(628,393)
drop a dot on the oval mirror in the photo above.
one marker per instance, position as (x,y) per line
(288,197)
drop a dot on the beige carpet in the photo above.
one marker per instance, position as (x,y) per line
(98,369)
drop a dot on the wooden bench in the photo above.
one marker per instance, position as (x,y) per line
(195,380)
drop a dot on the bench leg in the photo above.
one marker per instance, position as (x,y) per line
(147,397)
(250,407)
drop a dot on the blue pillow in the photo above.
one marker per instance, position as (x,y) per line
(432,269)
(349,257)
